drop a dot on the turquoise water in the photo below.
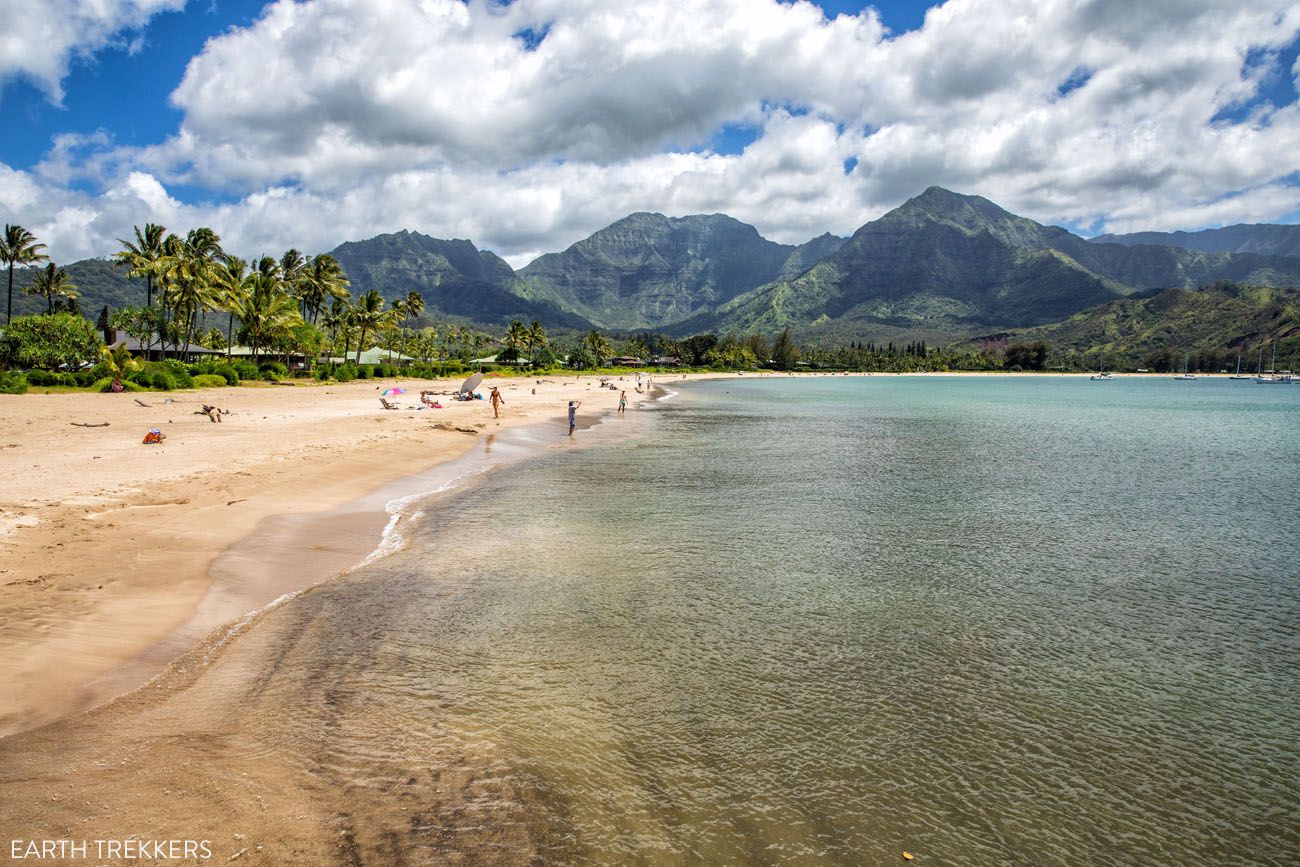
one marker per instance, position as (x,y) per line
(823,621)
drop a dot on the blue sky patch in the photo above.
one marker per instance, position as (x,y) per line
(1079,77)
(531,37)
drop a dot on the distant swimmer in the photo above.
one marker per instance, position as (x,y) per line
(573,415)
(497,402)
(622,402)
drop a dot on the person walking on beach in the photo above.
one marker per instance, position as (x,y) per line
(622,402)
(497,402)
(573,415)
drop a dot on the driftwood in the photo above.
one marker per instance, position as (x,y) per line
(87,424)
(213,413)
(142,403)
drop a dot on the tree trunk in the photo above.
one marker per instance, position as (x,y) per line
(360,343)
(230,327)
(9,312)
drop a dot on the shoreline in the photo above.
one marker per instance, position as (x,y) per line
(167,561)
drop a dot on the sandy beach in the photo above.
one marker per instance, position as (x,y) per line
(108,544)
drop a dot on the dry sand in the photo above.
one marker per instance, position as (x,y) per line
(106,544)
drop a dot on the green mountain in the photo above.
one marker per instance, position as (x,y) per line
(944,264)
(455,278)
(1213,324)
(651,271)
(98,282)
(1263,238)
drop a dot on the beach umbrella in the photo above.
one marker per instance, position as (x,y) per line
(471,383)
(392,391)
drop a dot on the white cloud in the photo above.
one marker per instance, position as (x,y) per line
(337,119)
(42,36)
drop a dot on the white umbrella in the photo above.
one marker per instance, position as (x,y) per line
(471,383)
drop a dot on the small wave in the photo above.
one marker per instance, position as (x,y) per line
(391,538)
(666,396)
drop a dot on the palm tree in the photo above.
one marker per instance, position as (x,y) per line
(228,292)
(369,315)
(516,336)
(192,268)
(322,278)
(168,270)
(599,346)
(265,310)
(143,257)
(336,319)
(52,283)
(414,305)
(18,247)
(293,269)
(536,341)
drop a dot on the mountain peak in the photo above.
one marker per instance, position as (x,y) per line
(965,209)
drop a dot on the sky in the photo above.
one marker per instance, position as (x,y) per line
(527,125)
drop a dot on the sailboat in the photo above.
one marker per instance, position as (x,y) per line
(1273,378)
(1239,374)
(1101,375)
(1185,375)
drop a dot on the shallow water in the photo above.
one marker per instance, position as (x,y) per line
(821,622)
(815,622)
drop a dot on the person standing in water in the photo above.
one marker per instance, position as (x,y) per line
(497,402)
(573,415)
(622,402)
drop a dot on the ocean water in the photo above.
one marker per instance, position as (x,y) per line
(824,621)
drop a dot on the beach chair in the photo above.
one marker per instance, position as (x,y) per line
(388,405)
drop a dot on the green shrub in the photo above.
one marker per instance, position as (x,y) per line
(362,371)
(51,377)
(246,369)
(85,377)
(228,373)
(162,380)
(12,382)
(47,341)
(209,380)
(276,369)
(345,373)
(180,372)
